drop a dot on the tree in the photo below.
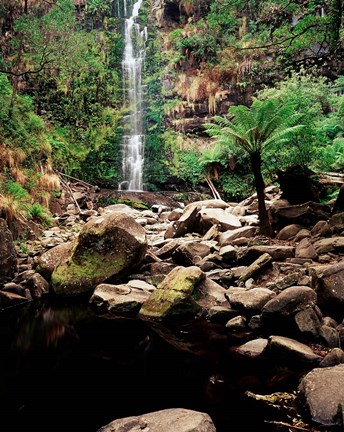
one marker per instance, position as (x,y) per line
(254,130)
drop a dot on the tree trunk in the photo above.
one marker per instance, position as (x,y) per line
(264,222)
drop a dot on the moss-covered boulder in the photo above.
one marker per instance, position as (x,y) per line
(175,297)
(107,246)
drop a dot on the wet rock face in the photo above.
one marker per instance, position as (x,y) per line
(322,394)
(107,246)
(170,420)
(8,256)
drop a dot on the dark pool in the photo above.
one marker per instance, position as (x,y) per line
(65,369)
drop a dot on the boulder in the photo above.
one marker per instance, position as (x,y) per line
(188,253)
(217,216)
(307,214)
(118,300)
(38,286)
(329,244)
(333,358)
(227,237)
(107,246)
(305,249)
(9,299)
(186,223)
(290,301)
(175,297)
(252,300)
(328,281)
(322,394)
(289,350)
(289,232)
(49,260)
(277,252)
(253,349)
(169,420)
(8,255)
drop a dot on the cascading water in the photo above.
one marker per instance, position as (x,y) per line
(133,137)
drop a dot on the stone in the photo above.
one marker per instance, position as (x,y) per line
(227,237)
(257,266)
(307,214)
(336,222)
(322,394)
(328,281)
(228,253)
(175,298)
(333,358)
(329,244)
(305,249)
(9,299)
(208,204)
(166,250)
(289,232)
(221,314)
(8,255)
(277,252)
(175,215)
(169,420)
(187,253)
(321,229)
(308,323)
(290,350)
(49,260)
(185,223)
(329,336)
(118,300)
(252,349)
(107,246)
(38,286)
(302,234)
(219,217)
(210,294)
(290,301)
(237,324)
(252,300)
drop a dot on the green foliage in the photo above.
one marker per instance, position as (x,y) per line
(37,213)
(16,191)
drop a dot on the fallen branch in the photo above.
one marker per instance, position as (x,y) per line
(76,179)
(66,185)
(300,428)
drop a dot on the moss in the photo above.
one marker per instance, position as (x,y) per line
(84,273)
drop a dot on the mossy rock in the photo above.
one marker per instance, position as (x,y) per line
(175,297)
(107,246)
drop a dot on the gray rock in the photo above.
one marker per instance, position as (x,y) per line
(328,281)
(290,301)
(329,336)
(221,314)
(278,253)
(308,323)
(305,249)
(289,232)
(322,393)
(48,261)
(321,229)
(252,349)
(306,214)
(228,253)
(252,300)
(302,234)
(237,324)
(186,222)
(290,350)
(8,255)
(38,286)
(169,420)
(329,244)
(159,270)
(333,358)
(219,217)
(336,222)
(118,300)
(227,237)
(187,253)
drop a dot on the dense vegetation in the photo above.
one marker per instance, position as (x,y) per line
(60,81)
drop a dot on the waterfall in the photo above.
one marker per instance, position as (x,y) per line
(133,125)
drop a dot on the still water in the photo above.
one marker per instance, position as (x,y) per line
(65,369)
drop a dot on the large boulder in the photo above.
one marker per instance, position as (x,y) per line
(290,301)
(8,256)
(307,214)
(169,420)
(107,246)
(322,394)
(217,216)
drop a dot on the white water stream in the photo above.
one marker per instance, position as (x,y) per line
(133,127)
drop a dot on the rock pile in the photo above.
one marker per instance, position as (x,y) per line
(278,301)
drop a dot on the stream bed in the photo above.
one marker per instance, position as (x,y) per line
(65,369)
